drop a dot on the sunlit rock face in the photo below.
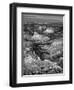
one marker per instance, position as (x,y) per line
(43,49)
(39,37)
(49,30)
(56,48)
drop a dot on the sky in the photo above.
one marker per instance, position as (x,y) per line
(42,18)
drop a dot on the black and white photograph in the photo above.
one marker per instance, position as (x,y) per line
(42,44)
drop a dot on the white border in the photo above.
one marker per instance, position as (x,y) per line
(43,78)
